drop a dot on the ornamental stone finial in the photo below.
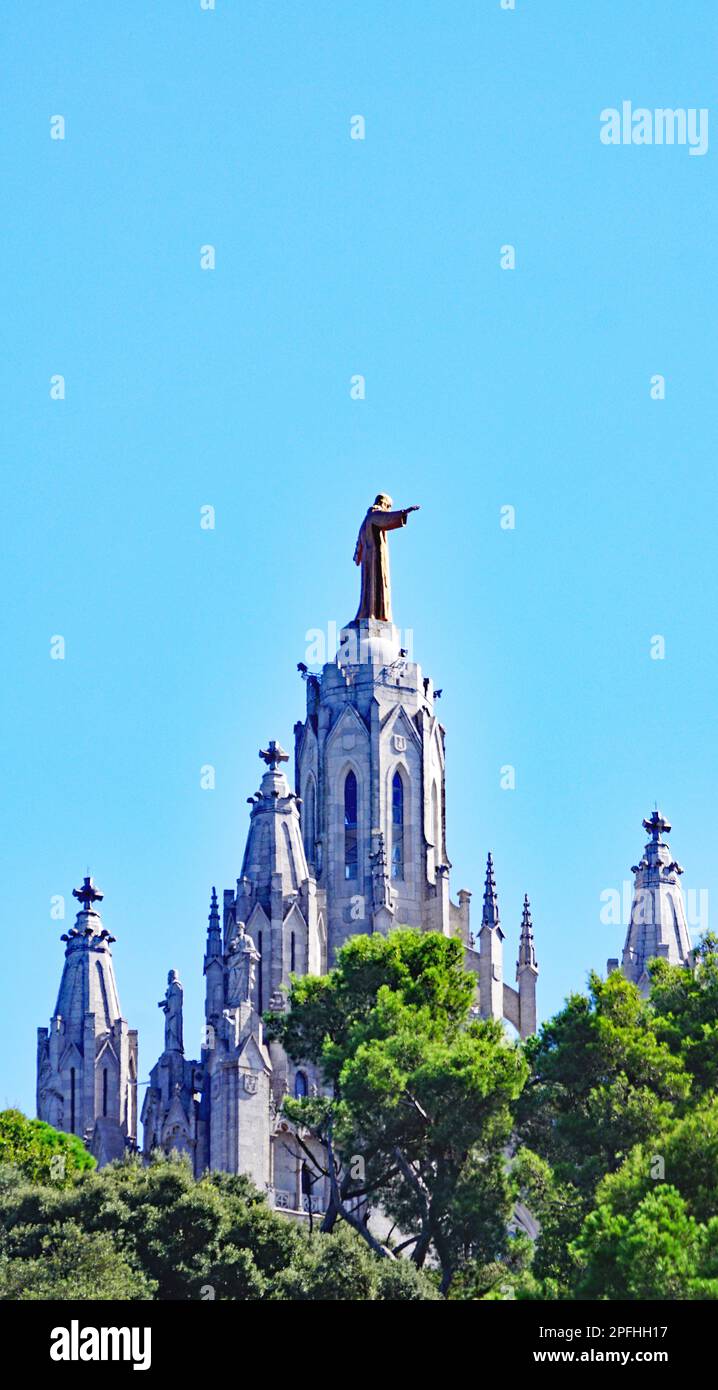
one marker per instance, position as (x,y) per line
(88,894)
(273,755)
(656,825)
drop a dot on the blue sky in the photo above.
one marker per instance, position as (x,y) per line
(230,387)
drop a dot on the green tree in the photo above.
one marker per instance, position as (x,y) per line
(73,1264)
(38,1151)
(684,1156)
(602,1081)
(134,1231)
(419,1112)
(658,1252)
(685,1005)
(341,1268)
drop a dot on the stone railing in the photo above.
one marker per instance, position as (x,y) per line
(287,1201)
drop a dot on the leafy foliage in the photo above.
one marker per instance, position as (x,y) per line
(422,1094)
(136,1232)
(40,1152)
(602,1131)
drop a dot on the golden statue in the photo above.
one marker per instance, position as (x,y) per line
(372,553)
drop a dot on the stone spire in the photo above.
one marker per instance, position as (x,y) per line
(527,973)
(382,898)
(490,912)
(87,1060)
(527,953)
(276,891)
(274,843)
(658,926)
(491,950)
(213,965)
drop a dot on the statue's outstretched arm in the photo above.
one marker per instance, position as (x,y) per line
(388,521)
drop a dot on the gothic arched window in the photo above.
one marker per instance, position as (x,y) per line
(436,824)
(351,849)
(397,826)
(104,1090)
(309,821)
(72,1100)
(301,1088)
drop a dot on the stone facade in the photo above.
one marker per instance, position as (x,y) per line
(359,845)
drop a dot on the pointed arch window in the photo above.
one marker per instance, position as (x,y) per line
(309,819)
(397,826)
(436,824)
(104,1090)
(301,1087)
(72,1100)
(351,848)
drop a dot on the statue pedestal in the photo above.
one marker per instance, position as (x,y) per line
(368,642)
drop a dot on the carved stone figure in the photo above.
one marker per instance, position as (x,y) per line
(243,957)
(171,1006)
(372,553)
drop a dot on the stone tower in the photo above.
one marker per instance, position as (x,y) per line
(87,1060)
(657,926)
(357,845)
(370,778)
(224,1109)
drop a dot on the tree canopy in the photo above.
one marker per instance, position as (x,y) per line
(445,1142)
(419,1110)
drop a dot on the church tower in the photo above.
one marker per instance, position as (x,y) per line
(358,845)
(657,926)
(87,1059)
(370,779)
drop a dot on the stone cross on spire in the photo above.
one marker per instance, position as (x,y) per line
(656,825)
(88,894)
(273,755)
